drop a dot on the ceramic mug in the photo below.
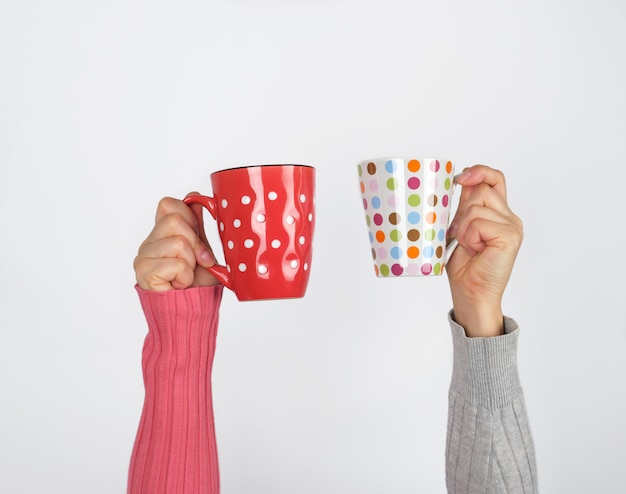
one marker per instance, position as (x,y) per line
(407,205)
(266,218)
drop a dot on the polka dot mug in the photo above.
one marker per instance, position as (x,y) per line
(266,218)
(407,208)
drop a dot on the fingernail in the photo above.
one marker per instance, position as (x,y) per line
(205,256)
(466,173)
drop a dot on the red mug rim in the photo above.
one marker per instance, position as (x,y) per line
(261,166)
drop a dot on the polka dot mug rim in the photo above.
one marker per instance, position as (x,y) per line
(405,158)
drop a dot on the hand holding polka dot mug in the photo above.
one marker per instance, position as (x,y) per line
(407,209)
(266,218)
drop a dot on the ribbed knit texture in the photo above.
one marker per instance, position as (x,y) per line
(489,447)
(175,450)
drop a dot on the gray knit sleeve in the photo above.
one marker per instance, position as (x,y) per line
(489,448)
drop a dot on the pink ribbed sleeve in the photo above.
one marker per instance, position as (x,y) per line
(175,450)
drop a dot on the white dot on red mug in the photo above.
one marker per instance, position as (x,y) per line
(260,218)
(248,243)
(224,203)
(262,269)
(294,264)
(301,240)
(237,223)
(275,243)
(290,220)
(302,198)
(242,267)
(272,196)
(245,200)
(231,244)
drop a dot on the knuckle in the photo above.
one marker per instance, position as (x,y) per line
(174,222)
(166,204)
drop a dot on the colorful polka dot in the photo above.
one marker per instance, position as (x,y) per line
(380,236)
(413,252)
(413,235)
(376,202)
(394,218)
(396,252)
(391,166)
(414,200)
(413,183)
(378,219)
(413,218)
(371,168)
(392,184)
(413,166)
(397,269)
(431,217)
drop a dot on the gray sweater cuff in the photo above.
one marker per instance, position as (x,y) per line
(485,369)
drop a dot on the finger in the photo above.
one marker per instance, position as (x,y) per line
(175,246)
(481,174)
(163,274)
(169,205)
(202,277)
(483,195)
(477,231)
(176,225)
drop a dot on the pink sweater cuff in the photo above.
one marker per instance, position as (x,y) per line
(175,450)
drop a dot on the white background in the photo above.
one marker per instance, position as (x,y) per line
(105,107)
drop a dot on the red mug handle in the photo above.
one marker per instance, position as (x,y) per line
(219,271)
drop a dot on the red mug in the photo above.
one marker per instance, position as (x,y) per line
(266,219)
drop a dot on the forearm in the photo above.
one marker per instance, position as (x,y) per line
(175,449)
(489,445)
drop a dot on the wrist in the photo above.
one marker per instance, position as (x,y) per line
(479,319)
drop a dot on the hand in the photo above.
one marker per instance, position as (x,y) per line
(176,253)
(489,236)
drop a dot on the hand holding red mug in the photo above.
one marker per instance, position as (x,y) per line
(175,254)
